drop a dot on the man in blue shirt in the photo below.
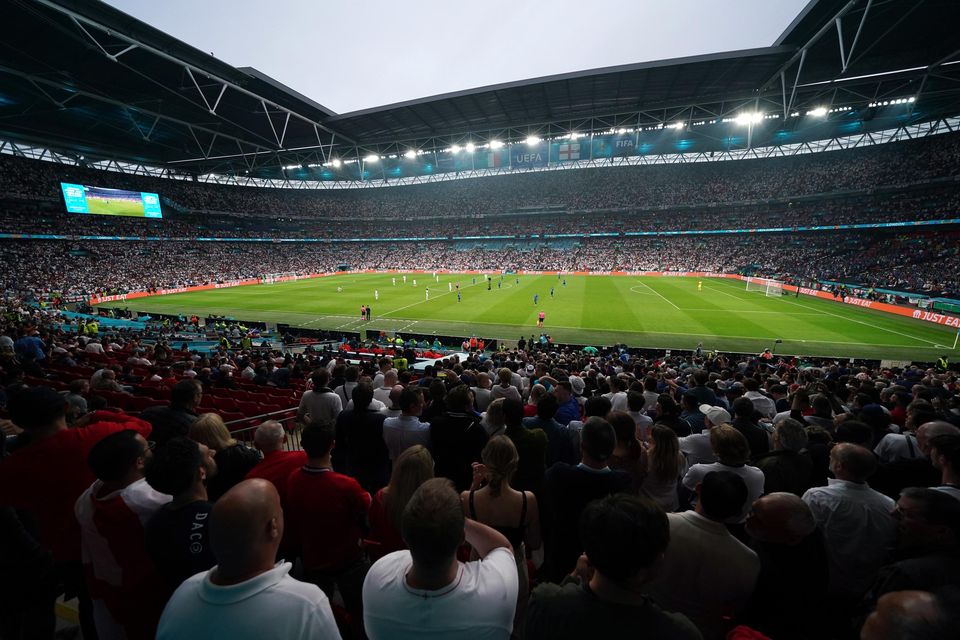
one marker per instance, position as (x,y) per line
(30,346)
(569,407)
(559,443)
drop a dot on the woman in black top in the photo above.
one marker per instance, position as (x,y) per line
(513,513)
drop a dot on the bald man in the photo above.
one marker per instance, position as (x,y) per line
(901,612)
(246,595)
(785,537)
(277,464)
(854,519)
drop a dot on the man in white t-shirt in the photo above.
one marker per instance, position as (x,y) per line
(617,396)
(246,595)
(94,346)
(382,393)
(426,592)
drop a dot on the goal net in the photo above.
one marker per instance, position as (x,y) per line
(270,278)
(772,288)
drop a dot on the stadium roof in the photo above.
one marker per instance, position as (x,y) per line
(81,77)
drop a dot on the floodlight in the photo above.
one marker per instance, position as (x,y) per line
(495,144)
(818,112)
(676,125)
(337,163)
(455,148)
(912,99)
(532,140)
(748,118)
(411,154)
(470,147)
(371,158)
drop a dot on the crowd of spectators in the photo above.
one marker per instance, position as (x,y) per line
(658,186)
(536,492)
(923,262)
(936,203)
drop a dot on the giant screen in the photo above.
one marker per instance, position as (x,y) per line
(81,198)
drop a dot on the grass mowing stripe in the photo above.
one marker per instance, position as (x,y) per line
(661,296)
(861,322)
(590,309)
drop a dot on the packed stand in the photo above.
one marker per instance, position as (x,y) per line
(922,262)
(901,164)
(536,492)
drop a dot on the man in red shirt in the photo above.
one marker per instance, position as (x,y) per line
(326,516)
(48,471)
(277,464)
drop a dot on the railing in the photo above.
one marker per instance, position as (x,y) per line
(286,417)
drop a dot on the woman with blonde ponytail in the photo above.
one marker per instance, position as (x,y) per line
(492,501)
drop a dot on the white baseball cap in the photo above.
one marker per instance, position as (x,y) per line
(715,415)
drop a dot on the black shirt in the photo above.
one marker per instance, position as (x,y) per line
(785,470)
(457,439)
(755,434)
(168,422)
(361,451)
(570,610)
(790,595)
(178,541)
(568,489)
(233,464)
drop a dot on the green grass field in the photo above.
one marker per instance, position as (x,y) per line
(663,312)
(115,207)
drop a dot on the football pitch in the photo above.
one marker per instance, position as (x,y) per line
(115,206)
(659,312)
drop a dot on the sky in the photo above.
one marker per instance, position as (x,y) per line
(357,54)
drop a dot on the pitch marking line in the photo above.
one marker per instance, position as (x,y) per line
(801,313)
(413,304)
(866,324)
(662,296)
(642,293)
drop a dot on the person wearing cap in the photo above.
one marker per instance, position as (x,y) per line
(578,386)
(696,447)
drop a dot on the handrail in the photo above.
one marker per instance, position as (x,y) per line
(259,417)
(291,441)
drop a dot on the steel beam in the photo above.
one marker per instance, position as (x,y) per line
(79,20)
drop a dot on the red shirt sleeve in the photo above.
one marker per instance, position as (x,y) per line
(122,421)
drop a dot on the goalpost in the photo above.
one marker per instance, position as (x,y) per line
(271,278)
(770,288)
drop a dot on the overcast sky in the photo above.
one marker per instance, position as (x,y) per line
(349,55)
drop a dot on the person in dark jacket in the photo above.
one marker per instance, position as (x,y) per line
(788,467)
(458,437)
(569,488)
(361,451)
(560,447)
(743,421)
(234,460)
(175,420)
